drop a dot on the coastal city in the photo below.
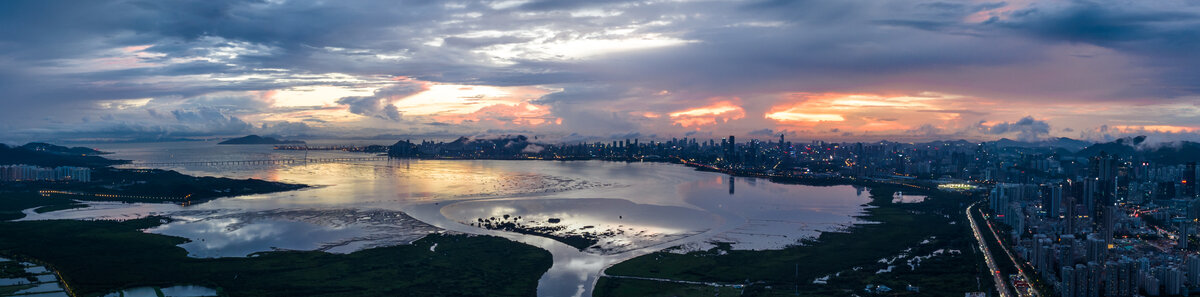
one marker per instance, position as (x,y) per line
(614,148)
(1081,221)
(1058,217)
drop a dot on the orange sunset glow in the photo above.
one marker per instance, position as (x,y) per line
(721,111)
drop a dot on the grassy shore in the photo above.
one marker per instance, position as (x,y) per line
(13,202)
(853,256)
(100,257)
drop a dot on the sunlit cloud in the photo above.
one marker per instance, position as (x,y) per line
(719,112)
(502,115)
(322,95)
(124,103)
(452,99)
(795,114)
(650,115)
(833,107)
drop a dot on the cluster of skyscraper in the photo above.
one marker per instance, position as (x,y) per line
(1089,223)
(37,173)
(1122,227)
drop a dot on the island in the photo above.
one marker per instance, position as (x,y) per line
(255,139)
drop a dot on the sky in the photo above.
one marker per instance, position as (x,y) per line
(591,70)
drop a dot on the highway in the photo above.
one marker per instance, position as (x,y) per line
(997,277)
(1031,290)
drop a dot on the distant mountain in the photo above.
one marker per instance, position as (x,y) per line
(504,146)
(1169,153)
(255,139)
(1111,148)
(48,155)
(1176,153)
(960,142)
(1073,145)
(58,149)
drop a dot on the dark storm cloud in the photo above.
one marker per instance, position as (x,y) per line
(379,105)
(286,129)
(1166,37)
(583,93)
(567,4)
(1027,128)
(762,132)
(210,119)
(927,130)
(477,42)
(1103,24)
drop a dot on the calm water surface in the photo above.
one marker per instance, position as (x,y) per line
(644,207)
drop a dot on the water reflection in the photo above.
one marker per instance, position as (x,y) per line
(731,184)
(899,197)
(174,291)
(646,206)
(618,225)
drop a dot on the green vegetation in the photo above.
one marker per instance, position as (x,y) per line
(637,287)
(513,224)
(13,202)
(12,269)
(855,254)
(58,207)
(9,290)
(100,257)
(129,185)
(163,183)
(48,155)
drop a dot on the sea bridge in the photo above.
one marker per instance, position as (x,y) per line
(262,161)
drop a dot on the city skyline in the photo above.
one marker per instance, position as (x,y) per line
(601,70)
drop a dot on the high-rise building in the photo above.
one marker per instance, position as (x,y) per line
(1069,223)
(1068,283)
(1173,284)
(1193,270)
(1097,249)
(1185,228)
(1095,279)
(37,173)
(1189,180)
(1127,277)
(1150,284)
(1091,196)
(1081,280)
(1054,209)
(730,149)
(1108,222)
(1112,273)
(1103,166)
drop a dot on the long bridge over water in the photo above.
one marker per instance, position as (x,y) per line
(262,162)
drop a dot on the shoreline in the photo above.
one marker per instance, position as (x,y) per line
(657,248)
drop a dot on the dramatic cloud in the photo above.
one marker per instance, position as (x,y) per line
(720,111)
(380,104)
(591,70)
